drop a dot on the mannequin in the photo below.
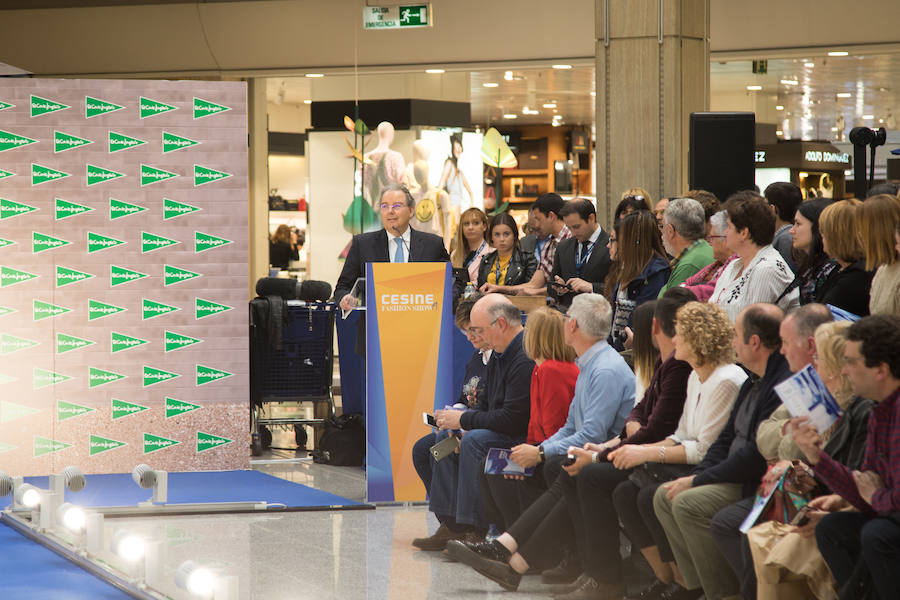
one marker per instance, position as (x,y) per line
(387,167)
(456,184)
(430,203)
(421,153)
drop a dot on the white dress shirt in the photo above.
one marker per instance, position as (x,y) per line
(392,245)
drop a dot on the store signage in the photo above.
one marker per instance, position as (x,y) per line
(97,175)
(98,377)
(152,309)
(172,209)
(44,310)
(151,107)
(206,308)
(760,156)
(68,410)
(4,174)
(120,342)
(152,443)
(8,141)
(207,441)
(42,106)
(66,141)
(41,378)
(65,209)
(122,409)
(95,106)
(5,105)
(119,142)
(66,343)
(397,17)
(152,376)
(119,209)
(8,208)
(5,243)
(98,310)
(44,446)
(832,157)
(176,407)
(41,174)
(11,343)
(101,444)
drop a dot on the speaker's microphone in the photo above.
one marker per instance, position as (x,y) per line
(396,230)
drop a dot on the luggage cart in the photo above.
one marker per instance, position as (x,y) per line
(299,372)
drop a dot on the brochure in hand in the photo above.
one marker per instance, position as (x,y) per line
(499,463)
(805,395)
(760,503)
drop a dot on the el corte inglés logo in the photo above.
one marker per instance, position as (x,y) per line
(151,175)
(5,105)
(44,446)
(208,374)
(119,142)
(151,242)
(68,410)
(67,276)
(205,241)
(42,106)
(7,379)
(4,243)
(176,341)
(9,209)
(100,444)
(44,310)
(94,107)
(121,409)
(10,141)
(208,441)
(152,443)
(98,377)
(173,275)
(5,310)
(66,343)
(120,342)
(150,107)
(97,242)
(66,209)
(172,209)
(42,378)
(4,174)
(152,376)
(98,310)
(204,175)
(205,108)
(119,275)
(172,142)
(10,276)
(176,407)
(11,343)
(119,209)
(65,141)
(154,309)
(10,411)
(41,174)
(41,242)
(6,447)
(97,175)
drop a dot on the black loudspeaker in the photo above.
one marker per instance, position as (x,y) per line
(893,169)
(722,153)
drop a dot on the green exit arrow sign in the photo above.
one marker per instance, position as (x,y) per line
(397,17)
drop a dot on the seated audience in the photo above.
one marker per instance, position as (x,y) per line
(507,265)
(708,201)
(703,282)
(813,265)
(758,274)
(659,208)
(498,420)
(642,269)
(471,242)
(732,466)
(582,262)
(784,198)
(879,228)
(606,493)
(644,353)
(683,230)
(864,546)
(847,286)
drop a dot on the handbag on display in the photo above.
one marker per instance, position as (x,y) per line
(792,492)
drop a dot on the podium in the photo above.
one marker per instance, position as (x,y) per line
(409,369)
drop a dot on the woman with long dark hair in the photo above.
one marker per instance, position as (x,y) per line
(508,264)
(813,266)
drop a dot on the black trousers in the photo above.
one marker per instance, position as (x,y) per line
(724,528)
(634,505)
(504,500)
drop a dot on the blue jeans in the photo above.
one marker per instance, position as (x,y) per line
(453,483)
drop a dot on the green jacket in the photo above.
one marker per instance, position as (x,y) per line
(695,257)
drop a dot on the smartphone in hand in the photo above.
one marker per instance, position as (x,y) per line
(429,419)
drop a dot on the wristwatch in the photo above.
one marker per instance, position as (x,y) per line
(541,453)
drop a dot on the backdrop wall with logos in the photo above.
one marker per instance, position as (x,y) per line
(123,275)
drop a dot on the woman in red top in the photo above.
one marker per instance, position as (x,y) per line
(552,389)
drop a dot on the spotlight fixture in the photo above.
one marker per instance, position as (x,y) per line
(28,496)
(6,484)
(72,517)
(195,580)
(149,478)
(127,545)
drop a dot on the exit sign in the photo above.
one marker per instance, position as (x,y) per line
(396,17)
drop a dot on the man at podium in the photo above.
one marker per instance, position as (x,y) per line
(395,242)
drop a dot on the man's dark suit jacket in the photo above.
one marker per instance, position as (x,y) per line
(373,247)
(594,271)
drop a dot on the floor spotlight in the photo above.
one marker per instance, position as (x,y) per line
(72,517)
(128,546)
(71,479)
(28,496)
(148,478)
(6,484)
(194,579)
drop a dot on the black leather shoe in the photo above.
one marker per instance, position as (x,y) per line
(591,589)
(650,592)
(565,572)
(494,567)
(437,541)
(675,592)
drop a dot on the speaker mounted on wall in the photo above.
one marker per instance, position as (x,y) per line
(721,155)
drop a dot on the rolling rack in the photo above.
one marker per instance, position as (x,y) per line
(297,369)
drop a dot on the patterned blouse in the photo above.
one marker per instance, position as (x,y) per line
(762,280)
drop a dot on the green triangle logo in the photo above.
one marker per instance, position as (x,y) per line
(42,106)
(10,276)
(151,107)
(41,242)
(66,209)
(5,105)
(66,343)
(5,310)
(154,309)
(11,343)
(6,447)
(44,446)
(10,411)
(94,107)
(98,377)
(152,443)
(205,308)
(172,209)
(42,378)
(177,407)
(5,243)
(100,445)
(207,374)
(66,141)
(97,242)
(205,108)
(98,310)
(44,310)
(173,275)
(151,242)
(97,175)
(7,379)
(208,441)
(176,341)
(204,175)
(9,141)
(66,276)
(41,174)
(153,376)
(120,342)
(119,275)
(121,409)
(172,142)
(119,209)
(204,241)
(119,142)
(67,410)
(151,175)
(9,209)
(4,174)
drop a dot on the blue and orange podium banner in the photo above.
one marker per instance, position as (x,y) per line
(408,369)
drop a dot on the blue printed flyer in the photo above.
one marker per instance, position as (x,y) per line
(499,463)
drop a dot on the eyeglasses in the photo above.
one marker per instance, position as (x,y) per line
(395,206)
(480,330)
(710,238)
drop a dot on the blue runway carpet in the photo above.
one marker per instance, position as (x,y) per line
(202,486)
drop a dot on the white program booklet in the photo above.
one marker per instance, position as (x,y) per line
(805,395)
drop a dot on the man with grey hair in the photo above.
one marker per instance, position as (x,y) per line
(683,232)
(499,419)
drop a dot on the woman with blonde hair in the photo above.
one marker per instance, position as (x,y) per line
(552,390)
(471,243)
(879,230)
(847,286)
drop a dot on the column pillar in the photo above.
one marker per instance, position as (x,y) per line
(652,71)
(258,171)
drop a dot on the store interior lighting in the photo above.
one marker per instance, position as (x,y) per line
(148,478)
(490,84)
(196,580)
(28,496)
(434,71)
(6,484)
(838,53)
(315,75)
(71,517)
(562,67)
(127,546)
(844,95)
